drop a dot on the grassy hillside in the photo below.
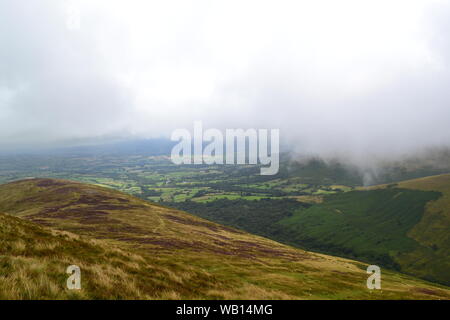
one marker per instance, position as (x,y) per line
(33,262)
(129,248)
(403,226)
(432,232)
(372,225)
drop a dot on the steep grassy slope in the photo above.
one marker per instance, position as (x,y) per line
(432,232)
(371,225)
(129,248)
(404,226)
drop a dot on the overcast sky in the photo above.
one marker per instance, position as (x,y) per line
(333,75)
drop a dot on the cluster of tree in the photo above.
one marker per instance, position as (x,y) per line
(148,192)
(256,216)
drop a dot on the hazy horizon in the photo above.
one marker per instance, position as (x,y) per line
(355,78)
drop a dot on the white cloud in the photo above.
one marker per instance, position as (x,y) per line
(332,74)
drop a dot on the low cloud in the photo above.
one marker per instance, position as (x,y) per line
(359,79)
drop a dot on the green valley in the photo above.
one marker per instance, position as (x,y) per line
(313,205)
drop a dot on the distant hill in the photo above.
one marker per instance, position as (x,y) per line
(339,170)
(130,248)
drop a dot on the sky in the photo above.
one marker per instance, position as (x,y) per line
(348,76)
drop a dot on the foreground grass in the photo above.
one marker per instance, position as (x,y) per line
(33,262)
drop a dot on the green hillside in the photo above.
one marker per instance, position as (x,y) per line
(129,248)
(371,225)
(432,260)
(402,226)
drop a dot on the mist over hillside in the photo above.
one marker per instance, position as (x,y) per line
(333,81)
(372,169)
(328,168)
